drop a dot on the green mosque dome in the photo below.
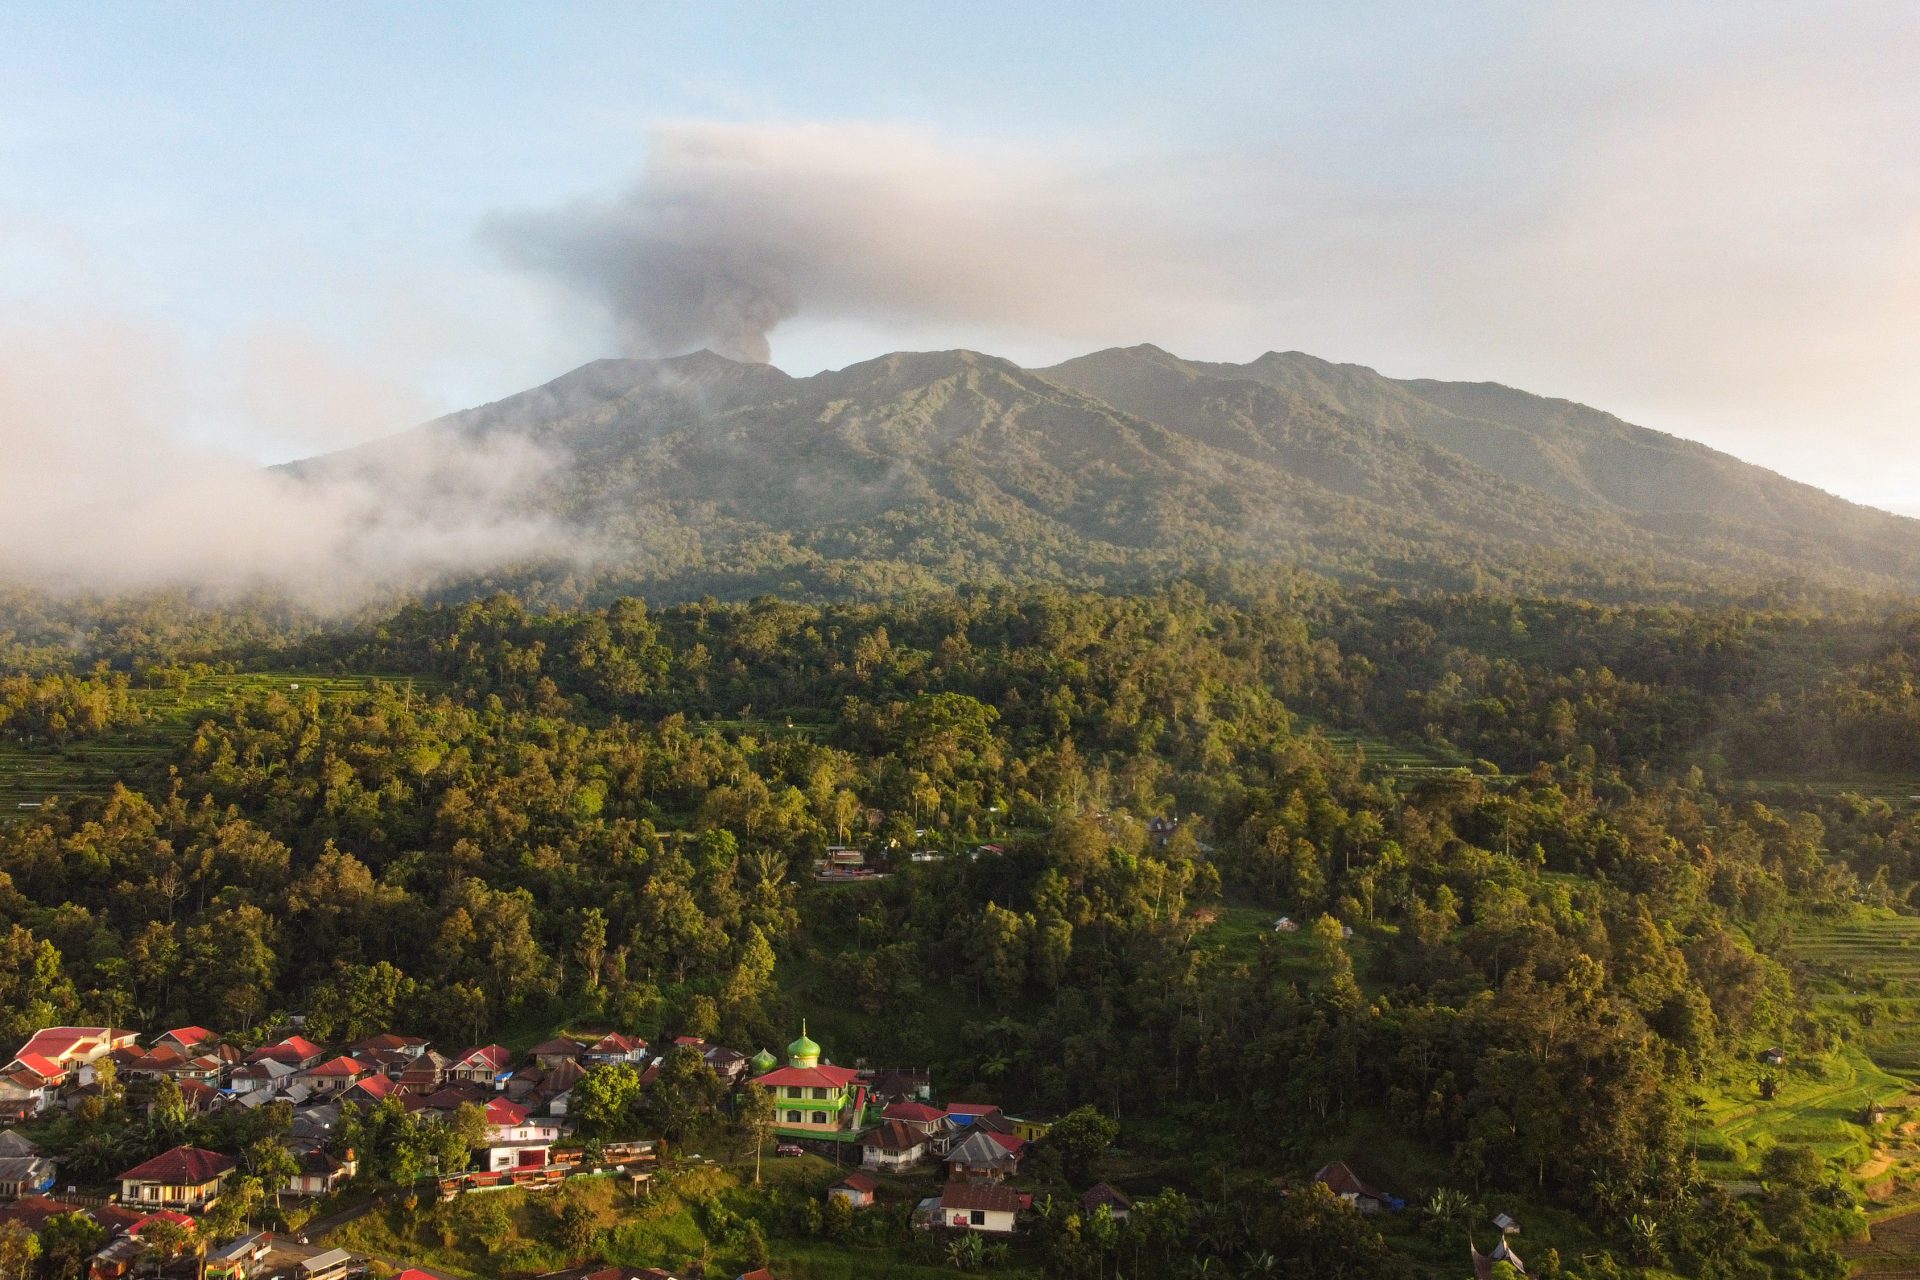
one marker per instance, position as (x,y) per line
(803,1052)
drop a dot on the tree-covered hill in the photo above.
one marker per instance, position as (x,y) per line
(700,475)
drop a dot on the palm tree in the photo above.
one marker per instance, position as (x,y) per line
(1260,1264)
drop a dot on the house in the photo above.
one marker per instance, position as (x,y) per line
(1774,1057)
(69,1048)
(856,1189)
(297,1052)
(387,1062)
(199,1097)
(123,1252)
(237,1259)
(893,1144)
(486,1065)
(1483,1263)
(370,1090)
(1344,1183)
(514,1140)
(448,1099)
(1286,924)
(15,1144)
(1033,1125)
(164,1061)
(268,1076)
(928,1122)
(729,1064)
(614,1048)
(188,1042)
(25,1176)
(314,1126)
(332,1077)
(322,1173)
(979,1158)
(1015,1144)
(900,1084)
(977,1206)
(551,1053)
(428,1072)
(964,1113)
(25,1093)
(386,1042)
(813,1100)
(183,1178)
(1118,1203)
(556,1091)
(161,1060)
(331,1265)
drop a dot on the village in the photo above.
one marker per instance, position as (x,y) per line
(164,1214)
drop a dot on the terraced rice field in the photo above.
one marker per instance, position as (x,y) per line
(1871,964)
(1892,1252)
(1899,790)
(1406,759)
(29,776)
(1817,1105)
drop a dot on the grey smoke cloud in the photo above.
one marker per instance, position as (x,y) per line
(733,229)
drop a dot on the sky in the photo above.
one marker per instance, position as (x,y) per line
(236,233)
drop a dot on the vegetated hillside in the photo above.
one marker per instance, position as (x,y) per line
(1576,455)
(700,475)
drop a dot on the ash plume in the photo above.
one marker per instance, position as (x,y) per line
(733,229)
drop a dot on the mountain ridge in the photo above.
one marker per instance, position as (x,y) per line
(957,466)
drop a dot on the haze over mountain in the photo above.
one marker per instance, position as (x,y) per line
(701,474)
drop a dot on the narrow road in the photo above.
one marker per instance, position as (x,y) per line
(334,1221)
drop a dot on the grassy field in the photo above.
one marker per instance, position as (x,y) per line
(29,776)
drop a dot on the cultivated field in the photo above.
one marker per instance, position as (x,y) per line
(1415,760)
(30,776)
(1871,965)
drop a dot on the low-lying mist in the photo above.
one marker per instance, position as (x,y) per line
(107,489)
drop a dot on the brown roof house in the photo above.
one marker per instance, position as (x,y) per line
(1346,1184)
(975,1206)
(183,1178)
(1119,1203)
(856,1189)
(893,1144)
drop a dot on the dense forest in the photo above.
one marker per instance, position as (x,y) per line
(1524,957)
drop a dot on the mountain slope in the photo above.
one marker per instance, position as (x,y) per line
(1583,458)
(700,474)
